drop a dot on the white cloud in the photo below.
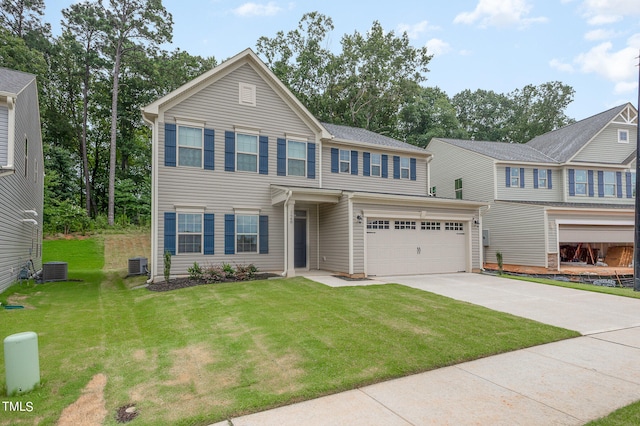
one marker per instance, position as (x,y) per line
(625,87)
(602,12)
(499,13)
(255,9)
(416,30)
(437,47)
(561,66)
(619,67)
(600,34)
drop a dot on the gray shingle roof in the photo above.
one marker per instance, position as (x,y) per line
(564,143)
(355,134)
(14,81)
(502,150)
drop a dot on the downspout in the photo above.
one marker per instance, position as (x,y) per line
(154,195)
(286,233)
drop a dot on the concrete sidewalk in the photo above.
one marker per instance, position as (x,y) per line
(562,383)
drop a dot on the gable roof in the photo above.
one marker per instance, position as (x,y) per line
(355,134)
(502,150)
(564,143)
(13,82)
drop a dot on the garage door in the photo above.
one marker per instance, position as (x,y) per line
(596,234)
(403,246)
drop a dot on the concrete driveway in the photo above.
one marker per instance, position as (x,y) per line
(582,311)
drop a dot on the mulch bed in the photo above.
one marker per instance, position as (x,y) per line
(178,283)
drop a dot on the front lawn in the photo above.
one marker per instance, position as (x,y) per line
(203,354)
(617,291)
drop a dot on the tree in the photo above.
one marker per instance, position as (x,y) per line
(132,25)
(484,114)
(22,17)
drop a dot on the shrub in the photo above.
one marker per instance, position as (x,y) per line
(499,259)
(214,274)
(246,272)
(167,265)
(195,272)
(228,270)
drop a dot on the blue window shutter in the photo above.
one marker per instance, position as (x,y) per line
(263,153)
(628,182)
(282,157)
(572,182)
(229,234)
(396,167)
(619,184)
(264,234)
(366,164)
(600,183)
(507,180)
(385,166)
(209,154)
(209,226)
(311,160)
(521,177)
(335,155)
(170,145)
(590,179)
(229,151)
(413,169)
(549,184)
(354,162)
(170,232)
(535,178)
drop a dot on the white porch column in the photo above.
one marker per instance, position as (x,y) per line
(289,214)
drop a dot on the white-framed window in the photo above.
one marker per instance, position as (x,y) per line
(189,233)
(377,224)
(247,152)
(246,233)
(376,165)
(296,158)
(581,182)
(404,168)
(454,226)
(458,189)
(633,184)
(609,184)
(542,178)
(189,146)
(430,226)
(345,161)
(515,177)
(623,136)
(405,224)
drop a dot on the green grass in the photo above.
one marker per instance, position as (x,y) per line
(626,416)
(617,291)
(203,354)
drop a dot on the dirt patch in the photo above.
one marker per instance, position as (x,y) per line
(90,409)
(119,248)
(18,299)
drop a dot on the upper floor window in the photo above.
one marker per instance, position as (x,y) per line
(404,168)
(623,136)
(433,191)
(609,184)
(581,184)
(633,184)
(515,177)
(296,158)
(189,146)
(345,161)
(247,152)
(458,188)
(543,179)
(376,164)
(189,233)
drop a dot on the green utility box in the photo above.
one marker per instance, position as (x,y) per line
(21,362)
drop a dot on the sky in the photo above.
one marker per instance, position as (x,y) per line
(500,45)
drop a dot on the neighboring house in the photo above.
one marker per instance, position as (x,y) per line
(573,187)
(21,175)
(244,173)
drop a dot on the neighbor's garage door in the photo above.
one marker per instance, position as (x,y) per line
(596,234)
(397,247)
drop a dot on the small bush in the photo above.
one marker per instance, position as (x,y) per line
(195,272)
(499,260)
(167,265)
(246,272)
(228,270)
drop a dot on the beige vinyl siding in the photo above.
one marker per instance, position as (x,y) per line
(528,193)
(360,182)
(516,230)
(20,241)
(604,148)
(4,135)
(334,238)
(451,162)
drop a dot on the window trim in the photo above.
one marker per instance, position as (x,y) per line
(178,233)
(348,161)
(305,160)
(373,164)
(237,234)
(585,183)
(514,177)
(545,179)
(458,189)
(626,137)
(255,154)
(180,125)
(402,168)
(606,184)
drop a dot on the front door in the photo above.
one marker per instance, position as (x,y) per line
(300,239)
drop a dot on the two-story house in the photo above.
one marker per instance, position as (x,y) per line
(567,189)
(21,175)
(244,173)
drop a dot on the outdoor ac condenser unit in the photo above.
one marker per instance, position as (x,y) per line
(54,271)
(138,266)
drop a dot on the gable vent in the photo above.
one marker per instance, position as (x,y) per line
(247,94)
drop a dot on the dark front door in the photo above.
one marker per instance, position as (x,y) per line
(300,243)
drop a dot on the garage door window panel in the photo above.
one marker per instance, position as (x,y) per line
(378,224)
(405,224)
(454,226)
(430,226)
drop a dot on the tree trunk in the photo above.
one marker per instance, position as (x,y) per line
(114,128)
(85,160)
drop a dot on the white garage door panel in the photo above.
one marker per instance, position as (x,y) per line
(415,251)
(596,234)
